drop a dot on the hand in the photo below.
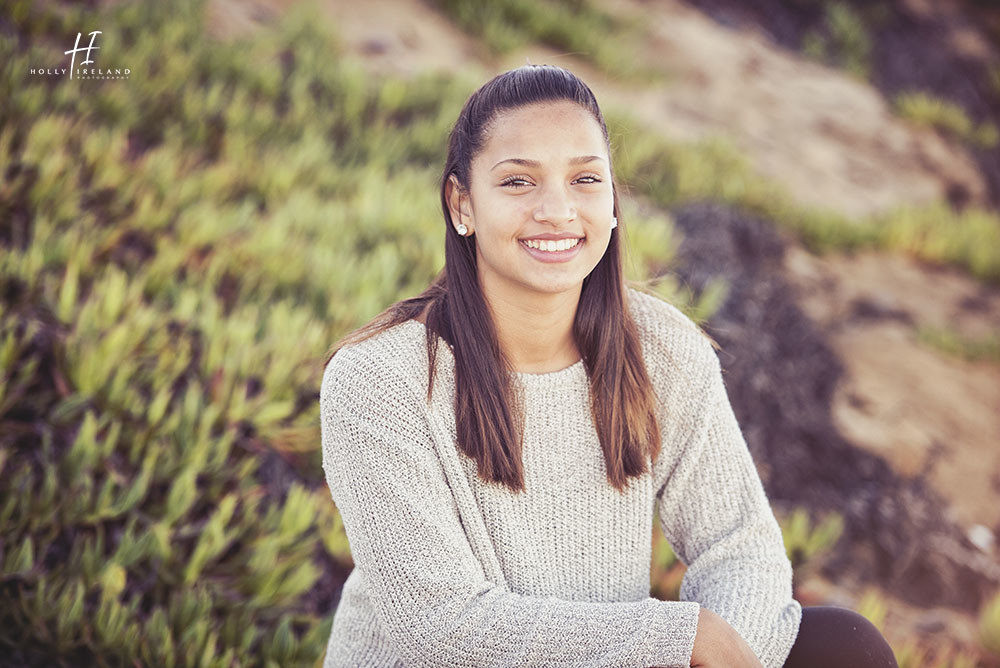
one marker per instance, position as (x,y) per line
(717,644)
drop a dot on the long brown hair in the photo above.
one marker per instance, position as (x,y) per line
(488,430)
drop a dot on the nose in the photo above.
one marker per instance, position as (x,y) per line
(555,206)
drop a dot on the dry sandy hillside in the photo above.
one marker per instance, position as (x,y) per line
(832,141)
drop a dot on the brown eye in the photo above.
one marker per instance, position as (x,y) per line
(512,181)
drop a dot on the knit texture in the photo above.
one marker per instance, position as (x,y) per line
(455,572)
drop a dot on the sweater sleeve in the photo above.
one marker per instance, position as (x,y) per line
(429,589)
(714,512)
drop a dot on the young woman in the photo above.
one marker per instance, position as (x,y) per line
(498,491)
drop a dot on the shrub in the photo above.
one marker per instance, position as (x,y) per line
(844,40)
(946,117)
(805,540)
(989,625)
(581,27)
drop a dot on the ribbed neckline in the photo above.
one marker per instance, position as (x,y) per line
(547,379)
(551,377)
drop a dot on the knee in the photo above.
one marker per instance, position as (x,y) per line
(844,638)
(867,634)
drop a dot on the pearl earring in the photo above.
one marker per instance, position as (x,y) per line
(462,229)
(614,222)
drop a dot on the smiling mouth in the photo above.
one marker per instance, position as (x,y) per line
(550,246)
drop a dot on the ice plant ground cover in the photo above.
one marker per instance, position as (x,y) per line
(179,250)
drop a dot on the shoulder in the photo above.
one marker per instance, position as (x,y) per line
(652,310)
(383,368)
(671,340)
(372,419)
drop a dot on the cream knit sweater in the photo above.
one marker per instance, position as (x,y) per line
(452,571)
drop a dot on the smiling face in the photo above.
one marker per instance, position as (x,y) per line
(542,175)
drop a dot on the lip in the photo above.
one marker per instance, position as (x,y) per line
(552,237)
(553,256)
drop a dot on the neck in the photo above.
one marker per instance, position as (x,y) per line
(536,331)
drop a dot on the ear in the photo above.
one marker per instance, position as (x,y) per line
(459,205)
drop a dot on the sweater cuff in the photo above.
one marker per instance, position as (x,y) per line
(670,637)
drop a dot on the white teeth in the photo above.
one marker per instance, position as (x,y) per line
(548,245)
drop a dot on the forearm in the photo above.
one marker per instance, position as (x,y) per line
(754,601)
(500,629)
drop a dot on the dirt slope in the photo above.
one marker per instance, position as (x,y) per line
(930,415)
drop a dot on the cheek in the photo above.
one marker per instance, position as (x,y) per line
(599,202)
(508,220)
(495,239)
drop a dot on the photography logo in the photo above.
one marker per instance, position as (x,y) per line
(87,52)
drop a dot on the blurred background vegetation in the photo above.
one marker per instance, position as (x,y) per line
(179,249)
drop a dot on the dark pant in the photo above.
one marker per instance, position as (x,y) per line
(832,637)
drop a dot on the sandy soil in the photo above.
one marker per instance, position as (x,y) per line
(927,413)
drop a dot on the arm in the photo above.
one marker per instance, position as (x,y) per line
(409,545)
(714,512)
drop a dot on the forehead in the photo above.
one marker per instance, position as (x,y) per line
(559,126)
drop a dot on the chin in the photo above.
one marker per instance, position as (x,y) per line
(559,287)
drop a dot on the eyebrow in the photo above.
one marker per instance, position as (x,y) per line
(524,162)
